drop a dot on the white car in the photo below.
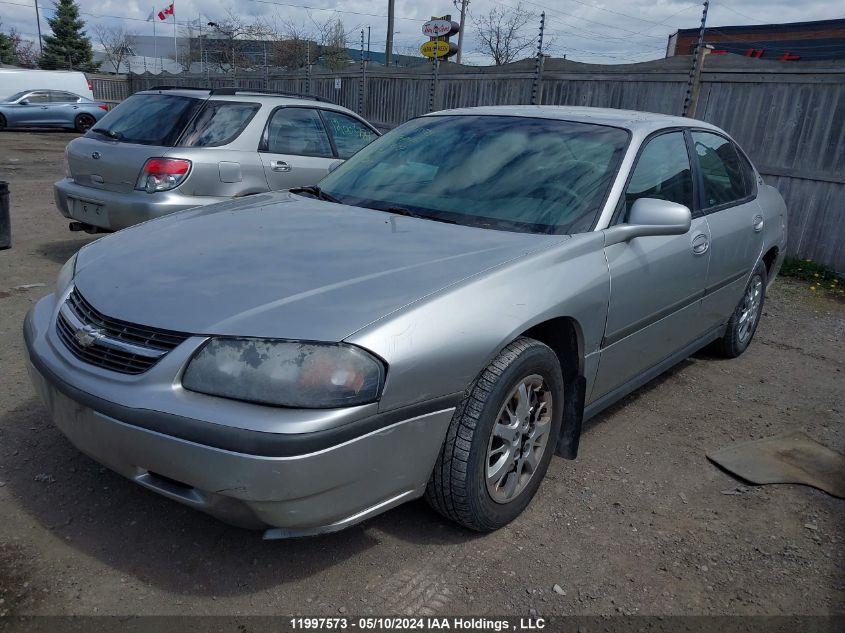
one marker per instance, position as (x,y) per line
(14,80)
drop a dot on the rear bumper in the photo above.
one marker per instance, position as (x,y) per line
(113,211)
(296,493)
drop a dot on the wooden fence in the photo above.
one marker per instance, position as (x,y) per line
(789,117)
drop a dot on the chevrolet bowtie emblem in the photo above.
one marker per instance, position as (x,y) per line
(87,335)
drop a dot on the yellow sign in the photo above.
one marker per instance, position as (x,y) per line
(435,48)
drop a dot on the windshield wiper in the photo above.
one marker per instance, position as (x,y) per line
(105,132)
(315,191)
(413,214)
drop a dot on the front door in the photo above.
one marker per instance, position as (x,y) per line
(656,282)
(36,110)
(295,150)
(728,191)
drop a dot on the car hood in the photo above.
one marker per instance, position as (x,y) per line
(279,265)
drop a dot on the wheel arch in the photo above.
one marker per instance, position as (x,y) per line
(565,337)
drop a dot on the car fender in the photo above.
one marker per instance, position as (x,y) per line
(438,345)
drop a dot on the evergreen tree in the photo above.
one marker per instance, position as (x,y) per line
(68,48)
(8,54)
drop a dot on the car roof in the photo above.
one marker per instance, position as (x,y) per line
(629,119)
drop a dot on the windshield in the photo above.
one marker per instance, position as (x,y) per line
(148,119)
(15,96)
(510,173)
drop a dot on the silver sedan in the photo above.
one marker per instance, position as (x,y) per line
(436,319)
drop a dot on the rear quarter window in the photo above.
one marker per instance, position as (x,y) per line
(219,123)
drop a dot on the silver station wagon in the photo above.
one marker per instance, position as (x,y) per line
(169,149)
(436,318)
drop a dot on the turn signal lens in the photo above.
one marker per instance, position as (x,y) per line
(163,174)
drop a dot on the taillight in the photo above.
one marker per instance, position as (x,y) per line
(103,106)
(162,174)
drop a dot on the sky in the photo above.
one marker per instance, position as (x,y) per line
(599,31)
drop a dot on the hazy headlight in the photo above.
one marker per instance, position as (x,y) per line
(66,274)
(285,373)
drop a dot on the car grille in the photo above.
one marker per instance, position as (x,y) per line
(116,345)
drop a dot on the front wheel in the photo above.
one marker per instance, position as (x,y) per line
(501,439)
(83,123)
(745,318)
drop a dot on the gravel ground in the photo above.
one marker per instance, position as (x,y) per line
(641,523)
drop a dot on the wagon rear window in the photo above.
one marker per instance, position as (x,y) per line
(148,119)
(510,173)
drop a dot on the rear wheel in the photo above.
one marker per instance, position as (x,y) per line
(2,123)
(83,122)
(501,439)
(743,322)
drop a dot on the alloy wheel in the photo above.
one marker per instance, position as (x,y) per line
(518,439)
(750,309)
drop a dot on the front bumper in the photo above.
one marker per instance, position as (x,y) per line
(113,211)
(294,492)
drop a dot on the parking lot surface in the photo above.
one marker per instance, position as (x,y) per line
(641,523)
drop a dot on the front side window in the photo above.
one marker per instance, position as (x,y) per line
(148,119)
(720,169)
(219,123)
(501,172)
(40,96)
(297,131)
(662,171)
(349,134)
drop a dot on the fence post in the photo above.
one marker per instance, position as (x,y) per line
(363,81)
(537,87)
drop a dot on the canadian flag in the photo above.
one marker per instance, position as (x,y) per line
(162,15)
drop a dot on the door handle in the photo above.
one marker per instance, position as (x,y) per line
(700,244)
(279,165)
(44,107)
(757,223)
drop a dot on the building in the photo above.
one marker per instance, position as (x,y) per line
(795,41)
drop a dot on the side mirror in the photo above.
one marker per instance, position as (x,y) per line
(335,165)
(650,216)
(24,102)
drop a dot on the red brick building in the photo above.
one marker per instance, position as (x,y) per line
(795,41)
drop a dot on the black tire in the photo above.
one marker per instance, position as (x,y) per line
(737,338)
(2,123)
(83,122)
(458,489)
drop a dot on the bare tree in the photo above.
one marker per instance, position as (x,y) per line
(294,45)
(117,43)
(231,43)
(501,32)
(332,38)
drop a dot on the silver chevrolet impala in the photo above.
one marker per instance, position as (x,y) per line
(436,318)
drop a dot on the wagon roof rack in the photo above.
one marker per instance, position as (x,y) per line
(295,95)
(231,91)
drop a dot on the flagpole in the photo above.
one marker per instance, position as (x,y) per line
(175,45)
(155,40)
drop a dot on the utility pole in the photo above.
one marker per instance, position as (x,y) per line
(695,71)
(464,4)
(388,49)
(38,23)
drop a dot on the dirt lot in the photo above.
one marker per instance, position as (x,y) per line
(641,523)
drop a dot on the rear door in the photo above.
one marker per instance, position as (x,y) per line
(729,200)
(295,148)
(111,155)
(64,107)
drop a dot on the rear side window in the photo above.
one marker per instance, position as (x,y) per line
(720,169)
(219,123)
(63,97)
(297,131)
(148,119)
(348,133)
(663,172)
